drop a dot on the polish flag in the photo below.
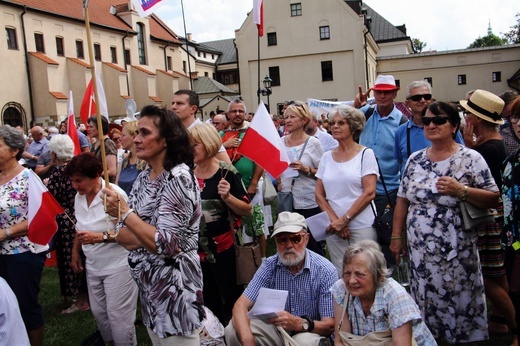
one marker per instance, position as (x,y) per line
(42,211)
(88,105)
(71,126)
(263,145)
(258,16)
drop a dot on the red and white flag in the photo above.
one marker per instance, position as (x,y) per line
(258,16)
(147,7)
(263,145)
(88,105)
(42,211)
(71,126)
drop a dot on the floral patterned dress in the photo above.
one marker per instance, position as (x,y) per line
(170,282)
(61,188)
(446,278)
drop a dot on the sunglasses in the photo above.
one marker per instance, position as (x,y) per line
(283,239)
(435,120)
(417,98)
(339,123)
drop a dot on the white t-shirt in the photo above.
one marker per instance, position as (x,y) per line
(92,218)
(343,184)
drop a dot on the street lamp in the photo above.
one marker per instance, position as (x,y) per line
(267,90)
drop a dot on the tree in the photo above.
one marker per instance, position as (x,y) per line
(513,36)
(488,41)
(418,45)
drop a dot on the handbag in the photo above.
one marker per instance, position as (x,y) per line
(248,257)
(384,219)
(268,191)
(473,217)
(284,200)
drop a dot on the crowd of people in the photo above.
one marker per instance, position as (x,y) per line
(162,231)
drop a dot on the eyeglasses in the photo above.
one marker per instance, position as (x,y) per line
(417,98)
(283,239)
(339,123)
(116,139)
(514,118)
(435,120)
(216,123)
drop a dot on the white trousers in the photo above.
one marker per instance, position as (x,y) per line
(113,301)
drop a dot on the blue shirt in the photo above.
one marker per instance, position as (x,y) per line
(379,135)
(36,148)
(83,140)
(309,289)
(418,141)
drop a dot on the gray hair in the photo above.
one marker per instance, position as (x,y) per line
(13,138)
(62,146)
(239,101)
(417,84)
(508,96)
(355,118)
(376,260)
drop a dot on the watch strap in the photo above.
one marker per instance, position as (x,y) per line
(309,321)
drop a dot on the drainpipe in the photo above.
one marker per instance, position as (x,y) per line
(27,68)
(366,57)
(165,57)
(238,68)
(126,65)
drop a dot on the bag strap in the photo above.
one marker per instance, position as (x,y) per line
(371,202)
(384,185)
(299,158)
(345,307)
(408,147)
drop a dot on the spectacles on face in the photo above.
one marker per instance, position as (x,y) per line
(116,139)
(435,120)
(417,98)
(283,239)
(216,123)
(514,118)
(339,123)
(239,111)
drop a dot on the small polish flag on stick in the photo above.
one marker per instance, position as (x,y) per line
(263,145)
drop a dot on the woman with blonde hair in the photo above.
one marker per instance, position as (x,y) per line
(131,165)
(307,152)
(224,200)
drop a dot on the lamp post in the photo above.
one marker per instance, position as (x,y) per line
(267,81)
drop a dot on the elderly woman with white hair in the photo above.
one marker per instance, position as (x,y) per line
(72,285)
(346,184)
(367,300)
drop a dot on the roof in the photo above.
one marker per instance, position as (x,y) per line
(203,102)
(79,62)
(44,58)
(228,49)
(382,30)
(139,68)
(115,67)
(99,11)
(159,30)
(58,95)
(206,85)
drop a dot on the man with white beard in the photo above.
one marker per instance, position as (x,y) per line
(308,317)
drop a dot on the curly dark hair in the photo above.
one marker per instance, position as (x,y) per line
(178,146)
(86,164)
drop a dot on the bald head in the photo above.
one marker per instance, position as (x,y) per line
(37,133)
(220,122)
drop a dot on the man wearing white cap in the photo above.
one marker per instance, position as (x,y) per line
(308,317)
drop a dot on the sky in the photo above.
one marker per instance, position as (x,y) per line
(441,24)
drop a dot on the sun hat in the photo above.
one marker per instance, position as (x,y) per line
(384,83)
(289,223)
(485,105)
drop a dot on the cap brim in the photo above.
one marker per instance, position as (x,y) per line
(288,229)
(384,88)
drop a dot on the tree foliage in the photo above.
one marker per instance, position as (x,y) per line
(488,41)
(418,45)
(513,35)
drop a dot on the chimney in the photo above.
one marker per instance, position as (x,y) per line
(189,36)
(112,9)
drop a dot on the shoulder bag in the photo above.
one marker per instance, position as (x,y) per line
(268,191)
(284,200)
(383,219)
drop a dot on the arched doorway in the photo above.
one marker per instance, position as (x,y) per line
(14,114)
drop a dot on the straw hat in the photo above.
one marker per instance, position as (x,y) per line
(384,83)
(485,105)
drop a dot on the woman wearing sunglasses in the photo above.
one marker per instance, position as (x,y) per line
(346,185)
(445,276)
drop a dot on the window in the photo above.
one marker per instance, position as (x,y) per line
(206,74)
(398,83)
(184,66)
(12,42)
(38,40)
(79,50)
(497,76)
(326,71)
(429,80)
(227,78)
(324,32)
(169,63)
(198,54)
(212,56)
(271,39)
(274,73)
(128,61)
(296,10)
(141,44)
(97,51)
(461,79)
(204,55)
(113,55)
(59,46)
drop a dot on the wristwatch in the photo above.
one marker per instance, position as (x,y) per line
(105,237)
(305,326)
(308,324)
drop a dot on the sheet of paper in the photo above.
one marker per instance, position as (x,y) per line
(318,224)
(268,303)
(290,172)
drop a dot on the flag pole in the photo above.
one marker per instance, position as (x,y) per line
(96,98)
(258,50)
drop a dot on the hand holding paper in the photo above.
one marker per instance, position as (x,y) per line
(268,303)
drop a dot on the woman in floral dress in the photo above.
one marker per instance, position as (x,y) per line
(445,275)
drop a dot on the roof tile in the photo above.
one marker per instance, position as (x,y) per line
(44,58)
